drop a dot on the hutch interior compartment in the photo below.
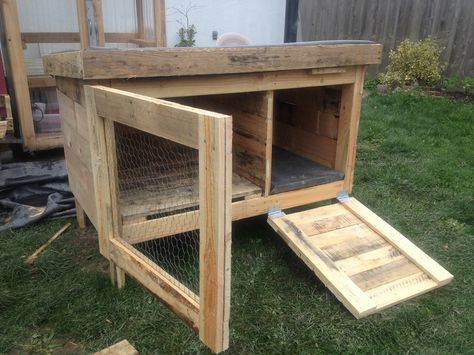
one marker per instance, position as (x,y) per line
(305,130)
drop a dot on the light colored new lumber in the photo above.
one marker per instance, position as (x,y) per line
(215,188)
(123,347)
(156,62)
(406,247)
(157,281)
(335,279)
(19,77)
(165,119)
(160,22)
(230,83)
(38,251)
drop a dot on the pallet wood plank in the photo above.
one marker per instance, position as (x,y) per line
(158,117)
(372,259)
(401,290)
(384,274)
(354,240)
(157,281)
(392,236)
(203,61)
(340,284)
(215,175)
(184,86)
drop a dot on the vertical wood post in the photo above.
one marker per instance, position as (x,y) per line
(215,190)
(100,174)
(140,19)
(80,215)
(349,118)
(102,147)
(83,26)
(99,22)
(160,23)
(18,72)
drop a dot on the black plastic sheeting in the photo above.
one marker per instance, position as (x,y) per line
(31,191)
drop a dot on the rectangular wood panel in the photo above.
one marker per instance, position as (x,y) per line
(363,262)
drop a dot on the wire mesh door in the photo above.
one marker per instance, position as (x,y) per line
(162,176)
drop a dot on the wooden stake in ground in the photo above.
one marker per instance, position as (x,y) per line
(38,251)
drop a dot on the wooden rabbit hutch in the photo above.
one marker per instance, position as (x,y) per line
(166,147)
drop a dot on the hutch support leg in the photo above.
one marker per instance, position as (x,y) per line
(80,215)
(117,275)
(215,190)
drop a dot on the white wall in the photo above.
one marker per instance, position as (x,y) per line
(261,21)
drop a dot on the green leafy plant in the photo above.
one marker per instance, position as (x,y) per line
(187,36)
(414,62)
(187,32)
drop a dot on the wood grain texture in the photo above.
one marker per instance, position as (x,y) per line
(161,62)
(165,119)
(157,281)
(215,176)
(232,83)
(348,129)
(159,9)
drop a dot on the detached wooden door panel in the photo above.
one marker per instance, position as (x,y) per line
(365,262)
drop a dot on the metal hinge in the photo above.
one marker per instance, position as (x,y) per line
(343,196)
(275,212)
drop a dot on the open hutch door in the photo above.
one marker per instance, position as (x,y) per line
(366,263)
(167,220)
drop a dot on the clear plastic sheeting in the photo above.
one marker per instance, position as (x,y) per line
(31,191)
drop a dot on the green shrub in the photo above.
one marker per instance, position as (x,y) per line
(414,62)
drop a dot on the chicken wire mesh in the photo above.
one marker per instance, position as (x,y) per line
(158,179)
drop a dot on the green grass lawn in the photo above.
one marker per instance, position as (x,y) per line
(415,168)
